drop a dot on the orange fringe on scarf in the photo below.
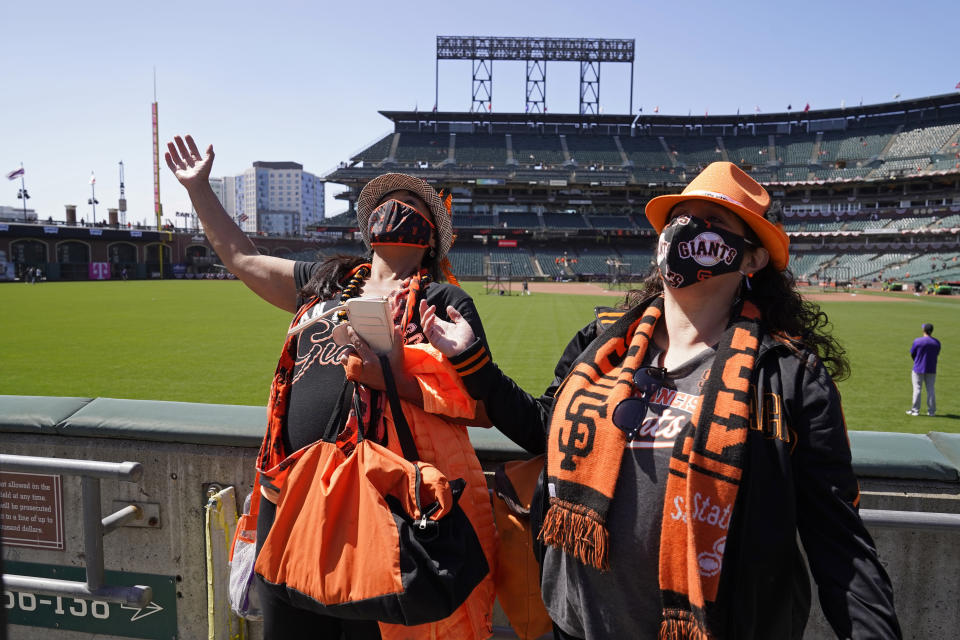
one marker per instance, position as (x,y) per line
(577,533)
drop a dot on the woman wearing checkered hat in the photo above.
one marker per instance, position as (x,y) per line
(690,436)
(406,226)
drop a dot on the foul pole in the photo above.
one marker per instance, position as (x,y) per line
(157,207)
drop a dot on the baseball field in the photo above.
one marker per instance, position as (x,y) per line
(214,341)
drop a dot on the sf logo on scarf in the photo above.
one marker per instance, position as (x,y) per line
(691,250)
(576,437)
(397,223)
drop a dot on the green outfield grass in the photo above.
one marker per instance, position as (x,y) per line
(214,341)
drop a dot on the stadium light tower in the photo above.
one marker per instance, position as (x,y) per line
(22,194)
(93,202)
(482,51)
(123,199)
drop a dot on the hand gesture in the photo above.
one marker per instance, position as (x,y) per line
(187,164)
(361,364)
(450,338)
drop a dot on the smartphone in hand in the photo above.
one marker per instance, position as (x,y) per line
(370,318)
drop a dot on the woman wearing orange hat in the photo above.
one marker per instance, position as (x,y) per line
(689,438)
(407,227)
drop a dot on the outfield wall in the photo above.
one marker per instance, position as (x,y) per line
(188,449)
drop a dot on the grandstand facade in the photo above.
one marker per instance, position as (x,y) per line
(862,185)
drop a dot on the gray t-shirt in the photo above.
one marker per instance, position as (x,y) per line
(624,602)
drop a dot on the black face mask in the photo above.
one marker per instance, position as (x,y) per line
(691,250)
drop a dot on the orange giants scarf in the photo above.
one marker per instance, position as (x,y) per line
(585,448)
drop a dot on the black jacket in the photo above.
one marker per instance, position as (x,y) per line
(798,478)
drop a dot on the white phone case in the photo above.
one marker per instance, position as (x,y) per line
(370,318)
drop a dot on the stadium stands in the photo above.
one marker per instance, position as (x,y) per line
(823,226)
(376,152)
(836,174)
(417,148)
(839,156)
(912,223)
(807,265)
(887,265)
(900,167)
(944,162)
(548,261)
(794,152)
(921,141)
(950,222)
(590,150)
(519,259)
(345,219)
(544,150)
(646,152)
(594,263)
(605,221)
(637,263)
(865,189)
(793,174)
(853,146)
(930,266)
(564,221)
(519,220)
(748,150)
(475,221)
(481,150)
(857,265)
(468,261)
(696,151)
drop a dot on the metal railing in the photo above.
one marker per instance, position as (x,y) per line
(94,528)
(914,520)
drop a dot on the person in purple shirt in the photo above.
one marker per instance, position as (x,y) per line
(924,352)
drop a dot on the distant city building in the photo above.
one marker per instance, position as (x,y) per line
(277,198)
(15,214)
(217,185)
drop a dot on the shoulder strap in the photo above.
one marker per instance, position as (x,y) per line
(404,436)
(341,410)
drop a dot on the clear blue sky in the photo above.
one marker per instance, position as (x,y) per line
(303,81)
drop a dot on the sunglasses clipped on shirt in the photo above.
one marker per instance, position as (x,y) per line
(629,413)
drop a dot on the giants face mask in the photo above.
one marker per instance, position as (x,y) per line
(397,223)
(691,250)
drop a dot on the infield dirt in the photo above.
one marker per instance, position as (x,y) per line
(591,289)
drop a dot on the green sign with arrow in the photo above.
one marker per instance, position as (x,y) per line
(157,620)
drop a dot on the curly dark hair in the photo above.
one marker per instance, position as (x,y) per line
(784,311)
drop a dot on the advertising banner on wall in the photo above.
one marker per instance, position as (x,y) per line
(99,271)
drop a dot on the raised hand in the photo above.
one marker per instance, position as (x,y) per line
(450,338)
(187,164)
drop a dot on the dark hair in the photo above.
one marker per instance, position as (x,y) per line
(330,276)
(784,311)
(327,279)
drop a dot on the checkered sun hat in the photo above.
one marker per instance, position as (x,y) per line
(374,191)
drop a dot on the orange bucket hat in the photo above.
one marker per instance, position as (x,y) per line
(725,184)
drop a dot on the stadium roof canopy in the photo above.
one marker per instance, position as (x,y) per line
(917,109)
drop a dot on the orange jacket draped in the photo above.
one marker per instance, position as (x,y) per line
(440,442)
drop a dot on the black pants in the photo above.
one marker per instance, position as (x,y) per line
(282,620)
(560,634)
